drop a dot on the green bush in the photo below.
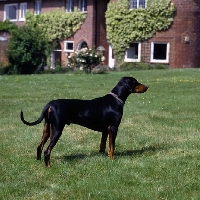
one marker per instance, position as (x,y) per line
(126,66)
(85,59)
(27,50)
(160,66)
(7,26)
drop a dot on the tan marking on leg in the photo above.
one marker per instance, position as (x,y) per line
(44,139)
(111,148)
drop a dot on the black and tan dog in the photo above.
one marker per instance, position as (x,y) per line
(101,114)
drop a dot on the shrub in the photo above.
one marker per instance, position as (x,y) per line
(27,50)
(126,66)
(7,26)
(160,66)
(100,69)
(85,59)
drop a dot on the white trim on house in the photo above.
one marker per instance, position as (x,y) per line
(111,59)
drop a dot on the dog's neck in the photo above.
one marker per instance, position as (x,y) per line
(114,95)
(120,94)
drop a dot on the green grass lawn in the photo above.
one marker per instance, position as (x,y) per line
(157,148)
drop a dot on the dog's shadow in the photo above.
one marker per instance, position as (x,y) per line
(148,149)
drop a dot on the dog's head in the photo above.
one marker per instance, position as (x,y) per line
(133,85)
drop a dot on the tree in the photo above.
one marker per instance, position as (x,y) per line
(27,50)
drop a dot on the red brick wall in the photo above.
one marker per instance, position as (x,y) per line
(101,27)
(186,23)
(93,31)
(85,33)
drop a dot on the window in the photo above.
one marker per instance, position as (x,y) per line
(23,8)
(82,44)
(133,53)
(69,5)
(137,4)
(10,12)
(160,52)
(69,46)
(38,7)
(82,5)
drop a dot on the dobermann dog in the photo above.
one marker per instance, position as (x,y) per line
(101,114)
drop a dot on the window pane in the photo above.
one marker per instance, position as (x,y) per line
(23,8)
(133,4)
(132,51)
(85,5)
(160,52)
(11,12)
(70,6)
(38,7)
(142,3)
(70,46)
(82,5)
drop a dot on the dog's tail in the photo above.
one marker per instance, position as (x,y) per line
(43,115)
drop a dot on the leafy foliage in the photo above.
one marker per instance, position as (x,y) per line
(7,26)
(85,58)
(125,26)
(57,24)
(27,50)
(127,66)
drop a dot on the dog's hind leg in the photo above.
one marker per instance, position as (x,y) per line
(45,137)
(103,142)
(55,134)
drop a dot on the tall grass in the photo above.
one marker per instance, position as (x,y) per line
(157,147)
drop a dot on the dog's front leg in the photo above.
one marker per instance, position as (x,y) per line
(112,132)
(103,142)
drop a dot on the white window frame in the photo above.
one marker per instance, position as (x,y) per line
(23,10)
(65,46)
(160,60)
(81,6)
(6,11)
(138,59)
(138,4)
(38,7)
(70,6)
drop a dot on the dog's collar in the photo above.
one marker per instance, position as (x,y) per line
(114,95)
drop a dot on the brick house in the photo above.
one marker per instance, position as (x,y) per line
(178,47)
